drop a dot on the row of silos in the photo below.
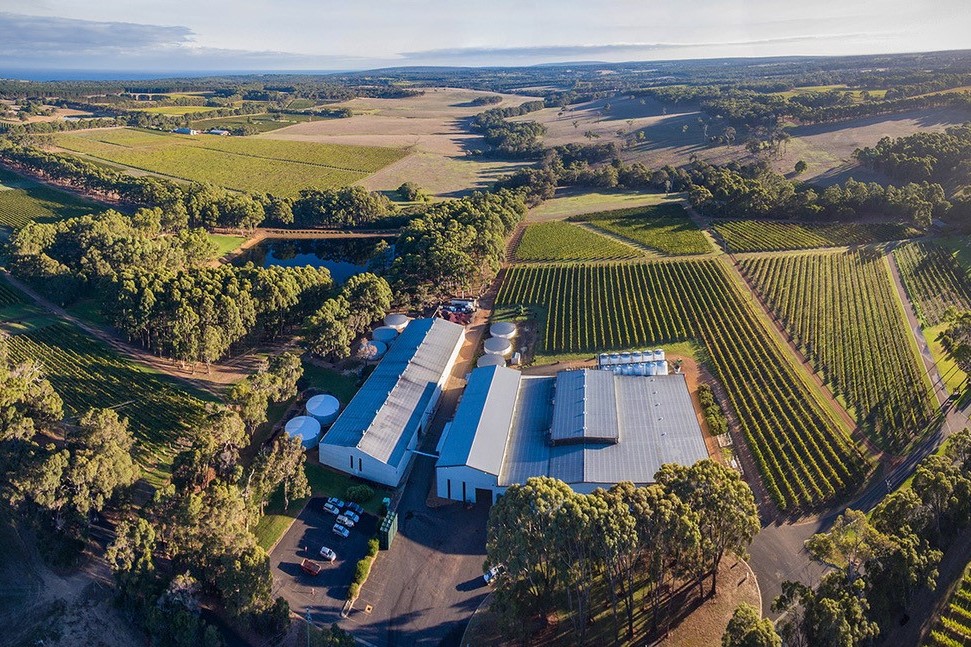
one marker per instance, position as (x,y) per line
(321,410)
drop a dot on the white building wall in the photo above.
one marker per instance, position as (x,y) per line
(451,480)
(366,466)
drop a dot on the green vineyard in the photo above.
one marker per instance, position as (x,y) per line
(934,280)
(841,310)
(953,626)
(241,163)
(23,201)
(86,373)
(665,228)
(803,455)
(766,236)
(561,241)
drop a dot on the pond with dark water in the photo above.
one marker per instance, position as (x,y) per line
(344,257)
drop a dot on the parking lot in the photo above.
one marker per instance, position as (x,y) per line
(421,592)
(324,594)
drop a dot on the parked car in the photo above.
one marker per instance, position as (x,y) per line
(337,503)
(331,508)
(311,567)
(352,516)
(493,574)
(341,531)
(355,508)
(327,553)
(345,521)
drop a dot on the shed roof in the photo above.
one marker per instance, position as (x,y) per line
(477,435)
(385,413)
(586,408)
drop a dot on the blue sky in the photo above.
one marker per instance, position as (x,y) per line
(249,35)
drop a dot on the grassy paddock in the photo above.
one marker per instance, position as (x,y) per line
(572,203)
(225,244)
(262,122)
(664,227)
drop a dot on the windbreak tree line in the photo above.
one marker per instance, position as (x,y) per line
(159,287)
(620,550)
(205,205)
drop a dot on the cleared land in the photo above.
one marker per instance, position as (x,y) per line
(87,373)
(934,281)
(771,236)
(841,311)
(665,228)
(23,200)
(245,164)
(672,134)
(432,127)
(571,202)
(561,241)
(803,455)
(261,122)
(176,111)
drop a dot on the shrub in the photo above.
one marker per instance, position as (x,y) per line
(359,493)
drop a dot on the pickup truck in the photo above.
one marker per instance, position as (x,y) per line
(311,567)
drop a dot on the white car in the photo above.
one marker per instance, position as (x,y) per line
(345,521)
(327,554)
(331,508)
(493,574)
(341,531)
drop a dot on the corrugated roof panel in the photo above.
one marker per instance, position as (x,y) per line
(585,408)
(384,414)
(527,449)
(477,435)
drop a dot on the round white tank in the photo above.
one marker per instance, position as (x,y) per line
(384,334)
(497,346)
(625,358)
(639,369)
(658,354)
(491,360)
(374,349)
(603,359)
(305,428)
(637,357)
(323,408)
(503,329)
(397,321)
(614,358)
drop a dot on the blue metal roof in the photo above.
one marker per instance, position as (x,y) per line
(477,435)
(385,413)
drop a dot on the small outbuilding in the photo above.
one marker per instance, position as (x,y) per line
(323,408)
(503,329)
(306,428)
(397,321)
(497,346)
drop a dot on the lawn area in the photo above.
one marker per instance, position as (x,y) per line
(225,244)
(961,247)
(23,200)
(665,228)
(323,482)
(954,378)
(343,387)
(572,203)
(561,241)
(246,164)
